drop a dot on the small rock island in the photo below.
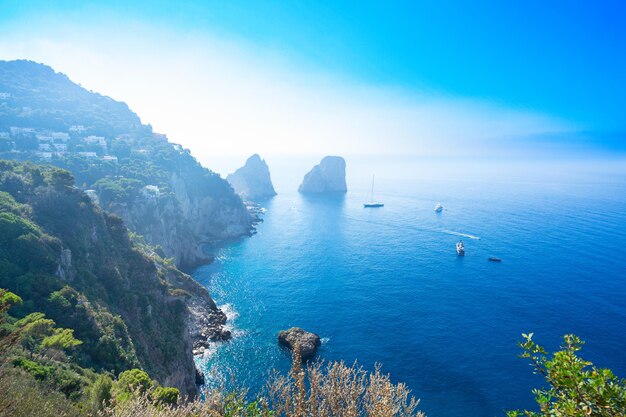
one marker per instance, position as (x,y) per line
(308,342)
(329,176)
(252,181)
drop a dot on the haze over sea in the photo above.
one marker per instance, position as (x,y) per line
(386,286)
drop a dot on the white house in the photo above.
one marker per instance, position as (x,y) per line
(21,130)
(88,154)
(60,136)
(150,191)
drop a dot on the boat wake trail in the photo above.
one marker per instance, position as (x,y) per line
(414,227)
(451,232)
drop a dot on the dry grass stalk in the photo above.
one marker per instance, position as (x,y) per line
(337,390)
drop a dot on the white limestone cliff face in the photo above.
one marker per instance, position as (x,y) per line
(186,221)
(252,181)
(212,217)
(329,176)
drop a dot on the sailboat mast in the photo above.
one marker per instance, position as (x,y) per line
(372,195)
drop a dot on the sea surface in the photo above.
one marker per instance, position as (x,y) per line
(386,285)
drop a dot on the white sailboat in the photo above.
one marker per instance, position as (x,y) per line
(372,204)
(438,208)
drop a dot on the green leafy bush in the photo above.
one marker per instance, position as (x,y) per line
(37,370)
(576,388)
(131,382)
(166,395)
(61,339)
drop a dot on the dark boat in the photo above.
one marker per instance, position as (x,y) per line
(493,259)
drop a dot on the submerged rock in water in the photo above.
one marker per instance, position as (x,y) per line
(252,181)
(308,342)
(329,176)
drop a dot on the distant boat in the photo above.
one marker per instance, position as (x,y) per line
(494,259)
(438,208)
(460,249)
(372,204)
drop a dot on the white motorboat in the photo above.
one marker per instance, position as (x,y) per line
(460,249)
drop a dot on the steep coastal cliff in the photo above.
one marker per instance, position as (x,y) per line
(70,260)
(329,176)
(155,186)
(252,181)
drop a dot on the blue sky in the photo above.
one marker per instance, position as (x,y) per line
(564,60)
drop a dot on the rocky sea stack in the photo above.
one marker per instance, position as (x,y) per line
(252,181)
(329,176)
(308,342)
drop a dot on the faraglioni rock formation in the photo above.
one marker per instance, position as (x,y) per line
(252,181)
(329,176)
(308,342)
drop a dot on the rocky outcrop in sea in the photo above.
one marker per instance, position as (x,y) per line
(252,181)
(307,342)
(329,176)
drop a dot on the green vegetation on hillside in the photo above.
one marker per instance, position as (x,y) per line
(39,374)
(100,301)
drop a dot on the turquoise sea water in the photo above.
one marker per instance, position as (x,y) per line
(385,285)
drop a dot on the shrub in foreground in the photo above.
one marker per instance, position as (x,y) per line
(576,388)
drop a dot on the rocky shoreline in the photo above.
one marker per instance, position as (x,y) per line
(206,325)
